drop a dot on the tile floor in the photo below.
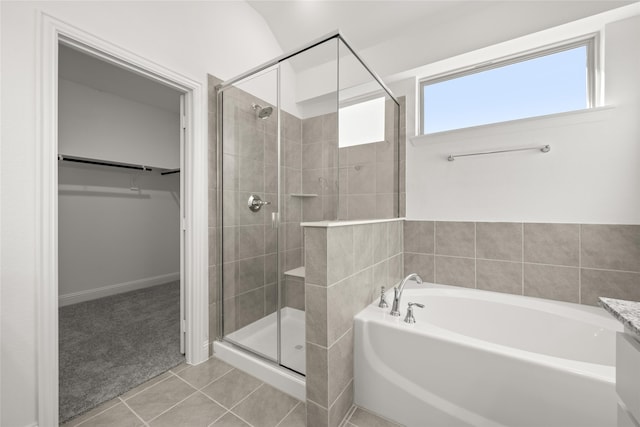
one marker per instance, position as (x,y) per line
(210,394)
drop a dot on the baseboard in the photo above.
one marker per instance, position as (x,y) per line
(105,291)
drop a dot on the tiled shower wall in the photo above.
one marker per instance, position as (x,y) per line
(249,242)
(567,262)
(320,167)
(346,266)
(369,176)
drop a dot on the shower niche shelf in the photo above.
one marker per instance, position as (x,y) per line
(303,195)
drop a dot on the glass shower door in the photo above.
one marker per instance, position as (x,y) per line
(249,200)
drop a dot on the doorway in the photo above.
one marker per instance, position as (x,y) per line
(193,222)
(120,242)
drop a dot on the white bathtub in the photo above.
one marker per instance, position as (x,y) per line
(478,358)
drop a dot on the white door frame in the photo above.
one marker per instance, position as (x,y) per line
(52,31)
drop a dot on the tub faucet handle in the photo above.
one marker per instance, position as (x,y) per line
(383,301)
(409,317)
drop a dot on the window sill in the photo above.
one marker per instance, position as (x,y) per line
(568,118)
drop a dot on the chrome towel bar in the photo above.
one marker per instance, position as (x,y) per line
(543,149)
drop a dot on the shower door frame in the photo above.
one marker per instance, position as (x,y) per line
(275,63)
(275,221)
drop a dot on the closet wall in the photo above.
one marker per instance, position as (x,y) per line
(113,237)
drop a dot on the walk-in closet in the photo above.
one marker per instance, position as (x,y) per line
(119,231)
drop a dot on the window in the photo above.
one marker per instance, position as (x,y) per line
(361,123)
(534,84)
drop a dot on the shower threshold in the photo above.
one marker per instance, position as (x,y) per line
(261,337)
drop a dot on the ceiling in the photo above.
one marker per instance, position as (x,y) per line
(396,35)
(89,71)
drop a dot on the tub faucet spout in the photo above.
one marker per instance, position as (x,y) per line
(395,309)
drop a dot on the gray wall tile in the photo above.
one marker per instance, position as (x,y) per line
(455,238)
(316,415)
(361,206)
(551,282)
(455,271)
(249,307)
(340,366)
(362,247)
(499,240)
(362,179)
(419,236)
(499,276)
(614,247)
(340,305)
(611,284)
(270,299)
(422,264)
(339,253)
(294,292)
(359,154)
(315,255)
(316,314)
(380,241)
(250,274)
(341,406)
(556,244)
(312,130)
(396,270)
(395,238)
(317,362)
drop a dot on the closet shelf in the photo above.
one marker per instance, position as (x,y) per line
(99,162)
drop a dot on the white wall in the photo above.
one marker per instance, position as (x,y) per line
(591,174)
(109,235)
(104,126)
(192,38)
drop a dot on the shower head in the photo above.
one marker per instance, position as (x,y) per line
(263,112)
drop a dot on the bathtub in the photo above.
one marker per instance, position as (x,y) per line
(478,358)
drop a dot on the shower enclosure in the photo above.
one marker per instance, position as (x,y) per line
(310,136)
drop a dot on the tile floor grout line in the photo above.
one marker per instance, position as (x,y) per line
(93,416)
(248,423)
(222,405)
(288,413)
(245,398)
(173,406)
(214,380)
(217,419)
(146,388)
(206,385)
(347,417)
(135,413)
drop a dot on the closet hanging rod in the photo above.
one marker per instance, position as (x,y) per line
(74,159)
(543,149)
(170,171)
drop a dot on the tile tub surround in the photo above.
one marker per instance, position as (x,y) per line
(567,262)
(345,267)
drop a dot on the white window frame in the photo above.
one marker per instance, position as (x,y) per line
(591,41)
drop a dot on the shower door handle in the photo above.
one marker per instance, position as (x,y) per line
(255,203)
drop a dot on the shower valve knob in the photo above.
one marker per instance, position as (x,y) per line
(255,203)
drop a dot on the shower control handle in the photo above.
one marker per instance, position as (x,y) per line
(255,203)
